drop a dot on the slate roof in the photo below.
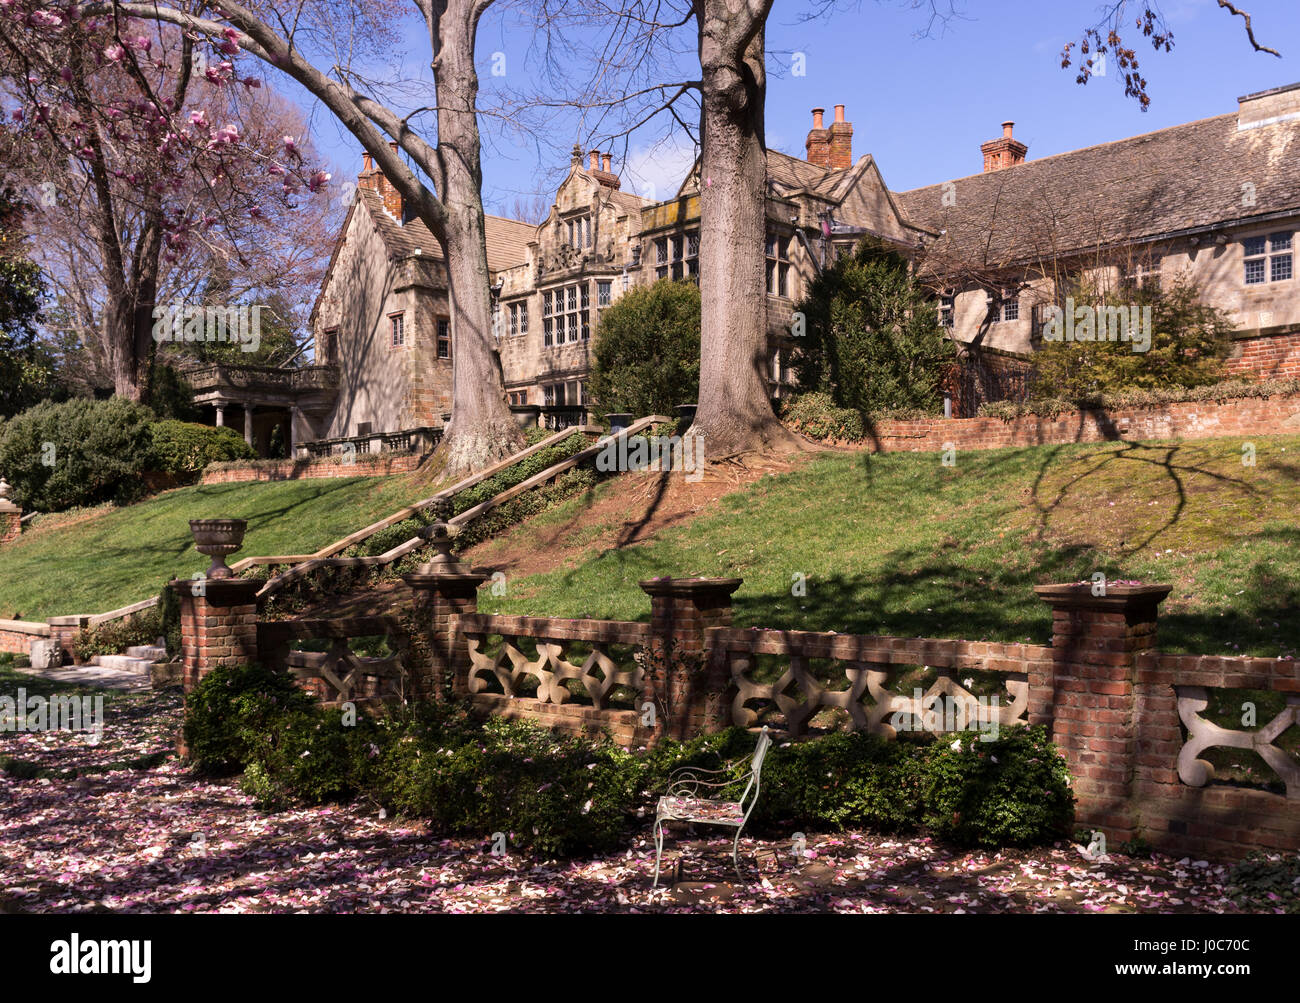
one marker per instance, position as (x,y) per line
(790,174)
(507,239)
(1177,179)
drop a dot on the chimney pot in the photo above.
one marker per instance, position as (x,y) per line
(605,162)
(817,117)
(1006,129)
(839,113)
(595,160)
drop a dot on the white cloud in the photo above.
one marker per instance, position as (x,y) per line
(657,171)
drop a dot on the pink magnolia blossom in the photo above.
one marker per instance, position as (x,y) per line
(318,181)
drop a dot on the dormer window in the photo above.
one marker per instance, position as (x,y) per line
(578,232)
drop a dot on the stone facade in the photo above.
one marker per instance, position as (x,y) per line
(998,247)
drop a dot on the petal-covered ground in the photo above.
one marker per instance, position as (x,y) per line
(132,830)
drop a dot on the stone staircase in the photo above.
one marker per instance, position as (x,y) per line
(137,660)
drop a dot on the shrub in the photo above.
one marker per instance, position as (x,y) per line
(1266,882)
(646,359)
(80,452)
(183,449)
(1225,390)
(232,714)
(517,473)
(816,416)
(1010,792)
(1189,343)
(872,338)
(563,795)
(116,636)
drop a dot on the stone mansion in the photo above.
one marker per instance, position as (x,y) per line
(1218,198)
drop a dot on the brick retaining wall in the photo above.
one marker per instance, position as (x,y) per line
(293,470)
(1269,356)
(1244,417)
(16,636)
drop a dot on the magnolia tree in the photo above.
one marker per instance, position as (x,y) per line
(335,49)
(130,133)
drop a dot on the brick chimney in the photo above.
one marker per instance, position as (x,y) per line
(372,177)
(600,170)
(830,148)
(841,141)
(1003,152)
(818,143)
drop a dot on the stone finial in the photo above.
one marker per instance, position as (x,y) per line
(6,503)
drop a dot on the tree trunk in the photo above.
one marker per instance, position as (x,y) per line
(481,430)
(735,413)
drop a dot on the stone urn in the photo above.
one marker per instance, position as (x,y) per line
(618,421)
(686,413)
(216,538)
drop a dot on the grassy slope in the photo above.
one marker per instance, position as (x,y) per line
(900,544)
(117,556)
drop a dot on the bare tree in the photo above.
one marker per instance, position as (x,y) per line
(297,40)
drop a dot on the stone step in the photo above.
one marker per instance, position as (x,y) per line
(125,663)
(150,652)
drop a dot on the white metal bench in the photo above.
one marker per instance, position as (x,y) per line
(684,801)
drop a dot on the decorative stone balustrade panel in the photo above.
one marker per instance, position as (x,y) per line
(599,674)
(1203,734)
(339,675)
(799,696)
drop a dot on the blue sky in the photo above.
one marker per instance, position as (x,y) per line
(921,105)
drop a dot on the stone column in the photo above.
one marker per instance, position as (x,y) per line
(686,688)
(11,516)
(1087,697)
(218,624)
(248,423)
(63,629)
(220,408)
(294,417)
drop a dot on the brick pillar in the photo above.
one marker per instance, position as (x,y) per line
(440,596)
(687,703)
(218,626)
(1087,698)
(63,629)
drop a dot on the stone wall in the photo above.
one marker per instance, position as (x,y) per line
(1192,420)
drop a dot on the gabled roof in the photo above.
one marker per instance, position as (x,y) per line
(790,174)
(1158,184)
(507,239)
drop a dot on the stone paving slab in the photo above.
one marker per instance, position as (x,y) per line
(98,676)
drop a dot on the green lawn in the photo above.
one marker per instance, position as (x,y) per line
(899,544)
(118,556)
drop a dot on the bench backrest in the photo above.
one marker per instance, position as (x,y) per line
(756,770)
